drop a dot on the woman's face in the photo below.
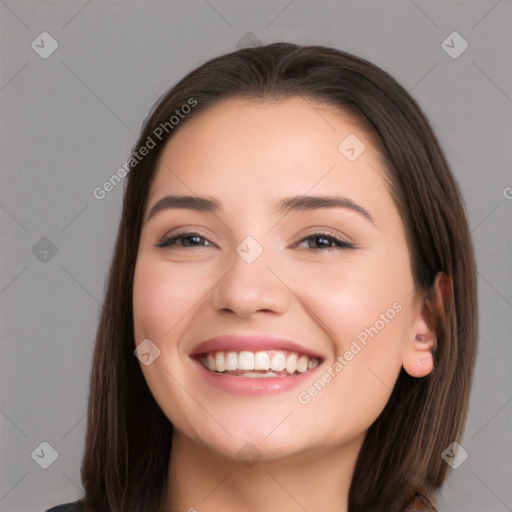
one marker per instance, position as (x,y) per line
(324,292)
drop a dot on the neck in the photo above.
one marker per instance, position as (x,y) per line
(200,480)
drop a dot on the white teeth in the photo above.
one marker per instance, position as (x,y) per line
(302,364)
(291,363)
(278,362)
(256,375)
(246,361)
(312,363)
(261,361)
(220,362)
(231,361)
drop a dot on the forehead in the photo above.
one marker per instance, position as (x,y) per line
(247,148)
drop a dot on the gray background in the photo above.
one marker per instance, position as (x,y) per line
(69,121)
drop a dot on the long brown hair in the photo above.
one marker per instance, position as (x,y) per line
(128,439)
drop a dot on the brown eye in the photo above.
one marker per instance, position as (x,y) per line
(185,239)
(326,241)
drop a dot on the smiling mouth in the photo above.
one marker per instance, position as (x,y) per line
(261,364)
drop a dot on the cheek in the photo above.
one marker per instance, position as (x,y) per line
(366,310)
(356,385)
(162,295)
(362,297)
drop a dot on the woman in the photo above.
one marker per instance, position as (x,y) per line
(295,277)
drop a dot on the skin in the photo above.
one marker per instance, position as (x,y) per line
(248,155)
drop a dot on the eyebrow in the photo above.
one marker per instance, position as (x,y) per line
(282,207)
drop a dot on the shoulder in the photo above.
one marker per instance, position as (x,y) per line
(75,506)
(420,503)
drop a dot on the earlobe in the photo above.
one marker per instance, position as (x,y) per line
(418,358)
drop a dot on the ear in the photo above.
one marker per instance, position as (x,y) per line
(418,358)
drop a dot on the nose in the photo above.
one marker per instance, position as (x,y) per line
(251,287)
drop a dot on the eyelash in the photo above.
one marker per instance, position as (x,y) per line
(170,241)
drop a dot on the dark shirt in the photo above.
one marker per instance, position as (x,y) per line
(417,504)
(76,506)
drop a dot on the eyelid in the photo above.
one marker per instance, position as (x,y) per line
(188,229)
(322,230)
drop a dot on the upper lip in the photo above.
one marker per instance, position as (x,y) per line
(251,343)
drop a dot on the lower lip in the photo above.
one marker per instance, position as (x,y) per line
(253,386)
